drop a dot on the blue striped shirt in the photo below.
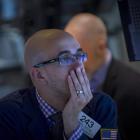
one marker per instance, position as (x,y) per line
(48,111)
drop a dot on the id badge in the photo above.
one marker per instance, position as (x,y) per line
(89,126)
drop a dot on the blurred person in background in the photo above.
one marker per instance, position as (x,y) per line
(12,41)
(12,47)
(50,110)
(108,74)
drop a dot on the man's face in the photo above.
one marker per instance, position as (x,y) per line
(56,73)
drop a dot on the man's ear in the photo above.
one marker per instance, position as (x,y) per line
(101,48)
(36,74)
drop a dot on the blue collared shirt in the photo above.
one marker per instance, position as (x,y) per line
(48,111)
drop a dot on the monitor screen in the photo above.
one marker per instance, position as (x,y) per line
(130,18)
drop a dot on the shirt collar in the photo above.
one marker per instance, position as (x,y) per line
(44,106)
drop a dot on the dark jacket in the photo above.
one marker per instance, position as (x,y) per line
(22,119)
(122,83)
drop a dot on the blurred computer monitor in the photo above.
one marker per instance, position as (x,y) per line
(130,18)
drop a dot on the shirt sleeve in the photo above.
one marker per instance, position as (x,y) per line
(77,133)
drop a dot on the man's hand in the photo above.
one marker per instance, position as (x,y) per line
(80,97)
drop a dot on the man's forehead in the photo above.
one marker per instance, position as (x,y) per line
(65,46)
(71,48)
(54,47)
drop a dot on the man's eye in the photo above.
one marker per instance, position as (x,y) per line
(66,59)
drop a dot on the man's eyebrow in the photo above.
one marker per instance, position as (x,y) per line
(63,52)
(66,51)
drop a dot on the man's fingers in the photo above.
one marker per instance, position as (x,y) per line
(75,81)
(79,87)
(90,95)
(71,87)
(81,80)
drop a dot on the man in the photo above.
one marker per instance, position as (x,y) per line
(51,110)
(108,74)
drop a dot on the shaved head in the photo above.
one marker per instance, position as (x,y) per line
(87,26)
(39,46)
